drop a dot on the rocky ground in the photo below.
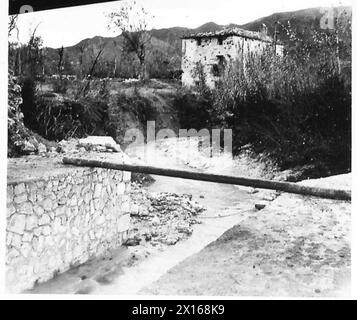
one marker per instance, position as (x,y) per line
(159,220)
(162,218)
(276,244)
(295,246)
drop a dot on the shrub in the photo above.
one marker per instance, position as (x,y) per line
(193,109)
(60,85)
(58,119)
(21,140)
(55,116)
(297,107)
(126,108)
(28,93)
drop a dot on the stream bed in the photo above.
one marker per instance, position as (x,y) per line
(129,269)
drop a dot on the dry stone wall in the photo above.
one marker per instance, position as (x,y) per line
(62,220)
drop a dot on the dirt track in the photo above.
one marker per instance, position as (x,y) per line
(297,246)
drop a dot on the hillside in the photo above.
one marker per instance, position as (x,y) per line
(303,21)
(166,42)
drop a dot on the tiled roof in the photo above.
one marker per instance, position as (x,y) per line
(230,32)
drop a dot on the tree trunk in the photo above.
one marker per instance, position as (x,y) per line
(143,71)
(115,68)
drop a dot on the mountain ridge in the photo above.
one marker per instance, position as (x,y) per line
(311,13)
(166,42)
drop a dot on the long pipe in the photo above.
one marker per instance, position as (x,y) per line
(184,174)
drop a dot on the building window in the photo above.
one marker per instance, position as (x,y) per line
(220,60)
(218,68)
(215,70)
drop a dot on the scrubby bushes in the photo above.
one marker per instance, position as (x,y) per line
(56,117)
(21,140)
(17,133)
(87,108)
(127,111)
(60,85)
(296,108)
(193,109)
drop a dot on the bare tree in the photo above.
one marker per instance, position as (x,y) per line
(12,25)
(115,67)
(82,48)
(115,64)
(86,87)
(60,61)
(34,57)
(132,20)
(95,61)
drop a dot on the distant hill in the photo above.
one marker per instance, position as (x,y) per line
(166,42)
(303,21)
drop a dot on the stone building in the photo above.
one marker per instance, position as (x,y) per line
(214,50)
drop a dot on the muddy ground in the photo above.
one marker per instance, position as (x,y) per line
(295,246)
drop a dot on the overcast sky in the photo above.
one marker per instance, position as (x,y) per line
(70,25)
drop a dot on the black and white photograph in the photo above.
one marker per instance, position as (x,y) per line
(196,148)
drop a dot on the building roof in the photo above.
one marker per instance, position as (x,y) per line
(230,32)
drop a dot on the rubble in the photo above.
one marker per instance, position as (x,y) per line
(41,148)
(99,143)
(260,205)
(91,144)
(35,145)
(162,218)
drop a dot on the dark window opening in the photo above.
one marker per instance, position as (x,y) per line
(218,69)
(215,70)
(220,60)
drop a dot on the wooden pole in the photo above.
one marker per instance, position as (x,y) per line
(248,182)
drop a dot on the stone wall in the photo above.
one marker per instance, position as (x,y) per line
(62,219)
(207,50)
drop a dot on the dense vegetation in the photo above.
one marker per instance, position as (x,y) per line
(164,50)
(296,108)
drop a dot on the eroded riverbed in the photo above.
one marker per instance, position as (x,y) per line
(296,246)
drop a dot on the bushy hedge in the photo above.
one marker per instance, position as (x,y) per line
(295,107)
